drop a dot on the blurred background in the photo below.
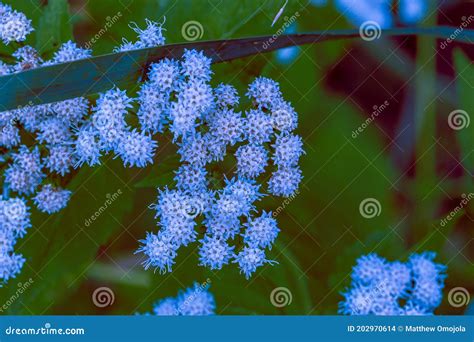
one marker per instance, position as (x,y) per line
(375,119)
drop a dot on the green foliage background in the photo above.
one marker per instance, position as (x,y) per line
(322,230)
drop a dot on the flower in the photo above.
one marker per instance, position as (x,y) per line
(380,287)
(14,26)
(251,258)
(193,301)
(51,199)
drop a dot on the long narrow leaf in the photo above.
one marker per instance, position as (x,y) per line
(89,76)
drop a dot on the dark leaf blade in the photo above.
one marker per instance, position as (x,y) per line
(89,76)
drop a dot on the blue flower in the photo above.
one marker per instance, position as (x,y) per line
(251,258)
(166,307)
(251,160)
(165,75)
(60,159)
(10,265)
(215,252)
(69,52)
(196,66)
(226,95)
(288,150)
(261,231)
(380,287)
(196,301)
(136,149)
(259,127)
(159,251)
(264,91)
(285,181)
(87,148)
(14,26)
(51,199)
(14,217)
(191,178)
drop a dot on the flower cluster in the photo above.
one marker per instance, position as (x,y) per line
(380,287)
(194,301)
(206,126)
(14,25)
(177,99)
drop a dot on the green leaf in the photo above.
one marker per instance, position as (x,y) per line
(54,26)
